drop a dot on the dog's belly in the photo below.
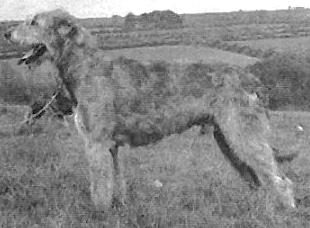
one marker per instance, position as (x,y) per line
(139,129)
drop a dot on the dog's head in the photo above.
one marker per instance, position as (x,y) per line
(48,33)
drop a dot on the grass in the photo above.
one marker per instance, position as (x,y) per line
(44,177)
(298,45)
(44,181)
(177,54)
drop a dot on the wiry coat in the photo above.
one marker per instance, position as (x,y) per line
(124,102)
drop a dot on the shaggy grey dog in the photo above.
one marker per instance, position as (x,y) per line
(128,103)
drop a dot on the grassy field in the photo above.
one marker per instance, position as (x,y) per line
(183,54)
(298,45)
(183,181)
(202,28)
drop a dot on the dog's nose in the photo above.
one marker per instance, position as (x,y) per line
(7,35)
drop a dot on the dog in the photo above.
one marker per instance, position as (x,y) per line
(132,104)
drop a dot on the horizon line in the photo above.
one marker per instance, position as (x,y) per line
(198,13)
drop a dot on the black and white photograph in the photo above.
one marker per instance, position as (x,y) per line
(154,114)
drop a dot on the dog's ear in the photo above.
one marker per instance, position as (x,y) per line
(80,36)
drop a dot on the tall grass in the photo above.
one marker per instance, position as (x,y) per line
(44,183)
(44,177)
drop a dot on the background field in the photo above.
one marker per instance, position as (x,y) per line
(298,45)
(183,181)
(176,54)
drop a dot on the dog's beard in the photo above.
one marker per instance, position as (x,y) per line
(34,54)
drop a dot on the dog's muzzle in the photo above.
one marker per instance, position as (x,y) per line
(36,51)
(31,56)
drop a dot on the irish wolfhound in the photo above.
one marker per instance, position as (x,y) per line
(123,106)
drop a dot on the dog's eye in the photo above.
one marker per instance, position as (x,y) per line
(33,22)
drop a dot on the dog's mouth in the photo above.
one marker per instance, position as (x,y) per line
(34,54)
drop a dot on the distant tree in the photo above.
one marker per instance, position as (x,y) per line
(130,21)
(155,20)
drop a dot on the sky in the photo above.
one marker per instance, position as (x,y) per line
(21,9)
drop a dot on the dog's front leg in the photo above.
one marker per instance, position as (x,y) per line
(101,171)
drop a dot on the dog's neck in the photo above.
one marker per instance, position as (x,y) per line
(66,84)
(71,60)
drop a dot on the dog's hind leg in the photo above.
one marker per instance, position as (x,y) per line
(119,184)
(245,132)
